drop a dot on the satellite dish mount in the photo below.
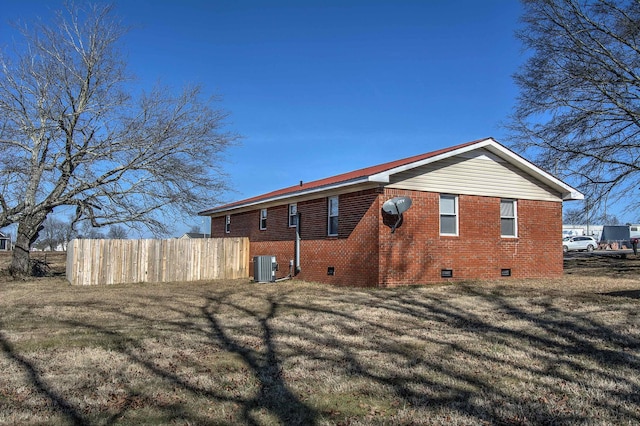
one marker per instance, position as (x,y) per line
(396,206)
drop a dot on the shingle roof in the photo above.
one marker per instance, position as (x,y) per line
(372,173)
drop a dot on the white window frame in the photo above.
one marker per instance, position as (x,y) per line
(330,216)
(293,215)
(514,218)
(227,224)
(454,214)
(263,219)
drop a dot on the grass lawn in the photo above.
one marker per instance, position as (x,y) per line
(563,351)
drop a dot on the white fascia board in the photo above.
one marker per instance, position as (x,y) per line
(573,195)
(568,192)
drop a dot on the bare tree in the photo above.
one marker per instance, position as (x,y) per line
(117,232)
(89,232)
(69,232)
(607,219)
(574,217)
(72,133)
(579,106)
(53,234)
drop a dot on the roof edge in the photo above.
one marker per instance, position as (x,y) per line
(301,193)
(567,192)
(384,176)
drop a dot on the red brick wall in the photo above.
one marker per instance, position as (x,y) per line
(217,227)
(365,253)
(353,254)
(275,240)
(416,252)
(248,225)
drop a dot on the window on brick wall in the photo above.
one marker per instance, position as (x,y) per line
(263,219)
(448,214)
(227,224)
(508,218)
(293,215)
(332,226)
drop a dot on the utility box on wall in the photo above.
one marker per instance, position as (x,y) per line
(264,269)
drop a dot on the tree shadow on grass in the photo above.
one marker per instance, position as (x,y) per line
(602,264)
(274,396)
(40,384)
(399,348)
(570,347)
(631,294)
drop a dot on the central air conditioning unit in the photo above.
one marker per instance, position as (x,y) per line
(264,269)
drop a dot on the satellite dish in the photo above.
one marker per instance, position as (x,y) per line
(397,206)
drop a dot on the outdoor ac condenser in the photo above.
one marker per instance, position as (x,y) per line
(264,269)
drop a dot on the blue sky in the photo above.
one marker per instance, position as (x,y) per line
(318,88)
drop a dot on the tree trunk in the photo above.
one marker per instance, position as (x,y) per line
(28,230)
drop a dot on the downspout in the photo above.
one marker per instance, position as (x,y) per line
(298,217)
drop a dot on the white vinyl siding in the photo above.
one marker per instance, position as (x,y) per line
(508,218)
(448,215)
(476,173)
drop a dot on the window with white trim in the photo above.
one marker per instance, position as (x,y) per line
(293,215)
(263,219)
(508,218)
(332,226)
(227,224)
(448,214)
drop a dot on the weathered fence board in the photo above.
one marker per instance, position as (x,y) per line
(100,262)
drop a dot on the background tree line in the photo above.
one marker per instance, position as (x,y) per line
(56,234)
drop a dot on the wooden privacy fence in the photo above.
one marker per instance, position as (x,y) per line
(100,262)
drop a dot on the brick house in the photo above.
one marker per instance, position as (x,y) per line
(478,211)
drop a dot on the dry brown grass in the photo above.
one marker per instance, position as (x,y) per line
(561,351)
(53,263)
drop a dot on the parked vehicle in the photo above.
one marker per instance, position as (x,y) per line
(622,235)
(579,243)
(634,231)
